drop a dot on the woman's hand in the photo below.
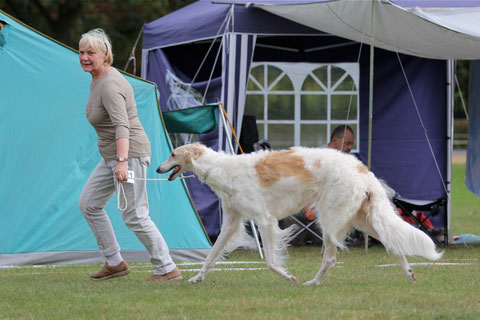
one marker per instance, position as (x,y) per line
(121,171)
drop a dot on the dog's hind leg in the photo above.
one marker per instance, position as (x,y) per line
(229,228)
(361,222)
(273,244)
(328,261)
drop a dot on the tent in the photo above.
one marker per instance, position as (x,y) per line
(49,150)
(413,79)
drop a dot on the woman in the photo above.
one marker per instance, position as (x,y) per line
(124,146)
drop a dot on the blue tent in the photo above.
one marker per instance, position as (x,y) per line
(414,44)
(49,150)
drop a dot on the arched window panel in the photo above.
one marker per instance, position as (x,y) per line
(311,84)
(302,103)
(337,74)
(345,83)
(314,135)
(343,107)
(274,74)
(254,105)
(281,135)
(257,78)
(322,75)
(281,107)
(283,84)
(314,107)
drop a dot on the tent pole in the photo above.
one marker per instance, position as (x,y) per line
(451,71)
(370,102)
(252,224)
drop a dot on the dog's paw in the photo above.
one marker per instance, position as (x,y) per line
(293,279)
(410,275)
(195,279)
(312,282)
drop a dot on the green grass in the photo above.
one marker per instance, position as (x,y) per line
(465,216)
(356,288)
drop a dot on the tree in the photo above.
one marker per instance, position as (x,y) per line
(67,20)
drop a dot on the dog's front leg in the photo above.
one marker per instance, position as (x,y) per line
(230,226)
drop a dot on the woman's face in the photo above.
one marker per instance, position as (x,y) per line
(91,60)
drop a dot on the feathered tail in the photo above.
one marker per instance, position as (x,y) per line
(398,236)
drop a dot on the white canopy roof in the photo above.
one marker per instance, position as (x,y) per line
(438,33)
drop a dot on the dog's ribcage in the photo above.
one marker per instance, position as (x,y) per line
(285,182)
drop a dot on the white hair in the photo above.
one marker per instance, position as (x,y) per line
(98,40)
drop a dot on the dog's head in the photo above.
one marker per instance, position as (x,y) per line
(181,160)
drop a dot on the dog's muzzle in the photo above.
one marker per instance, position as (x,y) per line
(172,176)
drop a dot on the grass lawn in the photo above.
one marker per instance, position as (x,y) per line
(465,216)
(358,287)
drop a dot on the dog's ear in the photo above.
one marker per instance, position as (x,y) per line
(195,152)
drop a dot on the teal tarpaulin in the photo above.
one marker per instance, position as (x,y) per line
(201,119)
(49,150)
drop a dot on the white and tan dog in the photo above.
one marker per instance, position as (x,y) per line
(269,185)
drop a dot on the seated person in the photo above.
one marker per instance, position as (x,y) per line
(342,139)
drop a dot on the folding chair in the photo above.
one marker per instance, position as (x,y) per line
(305,226)
(429,208)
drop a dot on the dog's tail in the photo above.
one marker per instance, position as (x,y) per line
(398,236)
(283,240)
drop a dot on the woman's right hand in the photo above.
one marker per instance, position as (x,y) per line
(121,171)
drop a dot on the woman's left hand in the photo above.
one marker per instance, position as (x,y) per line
(121,171)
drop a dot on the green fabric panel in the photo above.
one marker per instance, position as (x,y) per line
(201,119)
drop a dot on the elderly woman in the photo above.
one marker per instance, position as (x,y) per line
(123,145)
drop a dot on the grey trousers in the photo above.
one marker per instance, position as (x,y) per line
(100,188)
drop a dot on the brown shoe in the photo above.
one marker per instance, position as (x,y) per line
(108,272)
(175,274)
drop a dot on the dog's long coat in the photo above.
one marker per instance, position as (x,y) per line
(267,186)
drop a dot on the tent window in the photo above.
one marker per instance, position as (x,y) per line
(300,104)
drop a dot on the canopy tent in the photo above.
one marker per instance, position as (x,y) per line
(49,150)
(404,112)
(429,29)
(472,175)
(432,29)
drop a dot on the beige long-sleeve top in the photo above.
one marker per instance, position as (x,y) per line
(112,111)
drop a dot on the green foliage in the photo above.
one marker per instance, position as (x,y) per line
(67,20)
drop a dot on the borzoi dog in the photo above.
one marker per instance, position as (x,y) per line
(269,185)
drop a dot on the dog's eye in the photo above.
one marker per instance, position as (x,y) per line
(173,155)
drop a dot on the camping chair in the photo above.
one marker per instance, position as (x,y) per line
(201,119)
(410,208)
(307,226)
